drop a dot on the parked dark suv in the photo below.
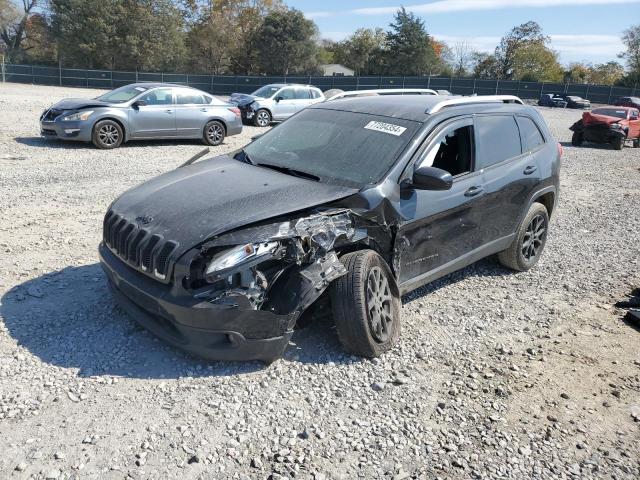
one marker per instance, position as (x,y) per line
(364,199)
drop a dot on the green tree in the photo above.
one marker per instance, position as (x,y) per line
(119,34)
(526,34)
(484,65)
(286,43)
(608,73)
(362,51)
(534,62)
(631,40)
(577,73)
(409,47)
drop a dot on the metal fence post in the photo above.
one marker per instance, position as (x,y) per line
(497,86)
(380,83)
(610,94)
(358,82)
(518,89)
(3,78)
(429,80)
(136,75)
(474,86)
(586,95)
(541,89)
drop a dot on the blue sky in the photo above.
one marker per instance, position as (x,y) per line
(580,30)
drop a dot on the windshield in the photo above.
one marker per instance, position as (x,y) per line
(122,94)
(266,92)
(339,147)
(610,112)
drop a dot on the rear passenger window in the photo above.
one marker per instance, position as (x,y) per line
(530,134)
(498,139)
(303,94)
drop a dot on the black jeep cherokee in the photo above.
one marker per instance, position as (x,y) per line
(364,198)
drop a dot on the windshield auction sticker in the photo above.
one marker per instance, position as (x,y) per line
(390,128)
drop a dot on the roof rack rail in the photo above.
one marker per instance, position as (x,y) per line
(384,91)
(452,102)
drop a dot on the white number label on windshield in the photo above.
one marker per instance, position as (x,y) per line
(390,128)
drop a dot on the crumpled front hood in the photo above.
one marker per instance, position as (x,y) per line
(589,118)
(77,103)
(241,99)
(192,204)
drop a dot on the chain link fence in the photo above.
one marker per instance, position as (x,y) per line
(224,84)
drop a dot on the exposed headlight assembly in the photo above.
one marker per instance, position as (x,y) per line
(246,255)
(78,116)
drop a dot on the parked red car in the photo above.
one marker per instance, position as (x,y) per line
(611,124)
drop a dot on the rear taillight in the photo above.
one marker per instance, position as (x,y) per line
(236,111)
(560,150)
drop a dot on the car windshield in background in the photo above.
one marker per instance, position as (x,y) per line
(610,112)
(265,92)
(339,147)
(122,94)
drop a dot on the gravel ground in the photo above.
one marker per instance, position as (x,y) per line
(498,375)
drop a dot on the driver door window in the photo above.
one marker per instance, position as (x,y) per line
(452,151)
(160,96)
(286,105)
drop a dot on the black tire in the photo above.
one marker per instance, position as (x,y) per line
(107,134)
(214,133)
(577,138)
(636,143)
(531,237)
(366,305)
(617,143)
(262,118)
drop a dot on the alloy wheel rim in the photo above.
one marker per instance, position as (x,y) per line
(534,238)
(263,119)
(215,133)
(379,305)
(109,135)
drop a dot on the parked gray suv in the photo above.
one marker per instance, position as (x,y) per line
(142,111)
(277,101)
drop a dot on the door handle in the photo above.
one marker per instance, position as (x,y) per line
(530,169)
(168,111)
(204,110)
(473,191)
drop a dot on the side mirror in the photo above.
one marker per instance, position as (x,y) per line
(278,98)
(139,103)
(431,178)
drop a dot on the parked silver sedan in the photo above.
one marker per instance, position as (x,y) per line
(277,101)
(142,111)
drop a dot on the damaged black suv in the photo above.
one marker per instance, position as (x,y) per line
(364,199)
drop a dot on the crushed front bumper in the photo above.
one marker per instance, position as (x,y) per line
(73,130)
(212,331)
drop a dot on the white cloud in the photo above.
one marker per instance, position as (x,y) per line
(596,48)
(447,6)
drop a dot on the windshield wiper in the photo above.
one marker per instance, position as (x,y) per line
(291,171)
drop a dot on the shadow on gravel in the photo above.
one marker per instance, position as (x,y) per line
(597,146)
(68,319)
(43,142)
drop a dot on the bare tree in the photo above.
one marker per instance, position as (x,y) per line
(462,55)
(13,25)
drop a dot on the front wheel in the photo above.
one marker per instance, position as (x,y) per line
(636,143)
(107,134)
(214,133)
(617,143)
(262,118)
(366,305)
(531,237)
(577,139)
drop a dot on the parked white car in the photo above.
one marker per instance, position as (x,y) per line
(275,102)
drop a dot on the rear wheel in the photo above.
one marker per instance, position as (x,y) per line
(531,237)
(366,305)
(577,138)
(617,143)
(214,133)
(262,118)
(107,134)
(636,143)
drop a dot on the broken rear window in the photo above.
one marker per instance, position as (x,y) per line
(339,147)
